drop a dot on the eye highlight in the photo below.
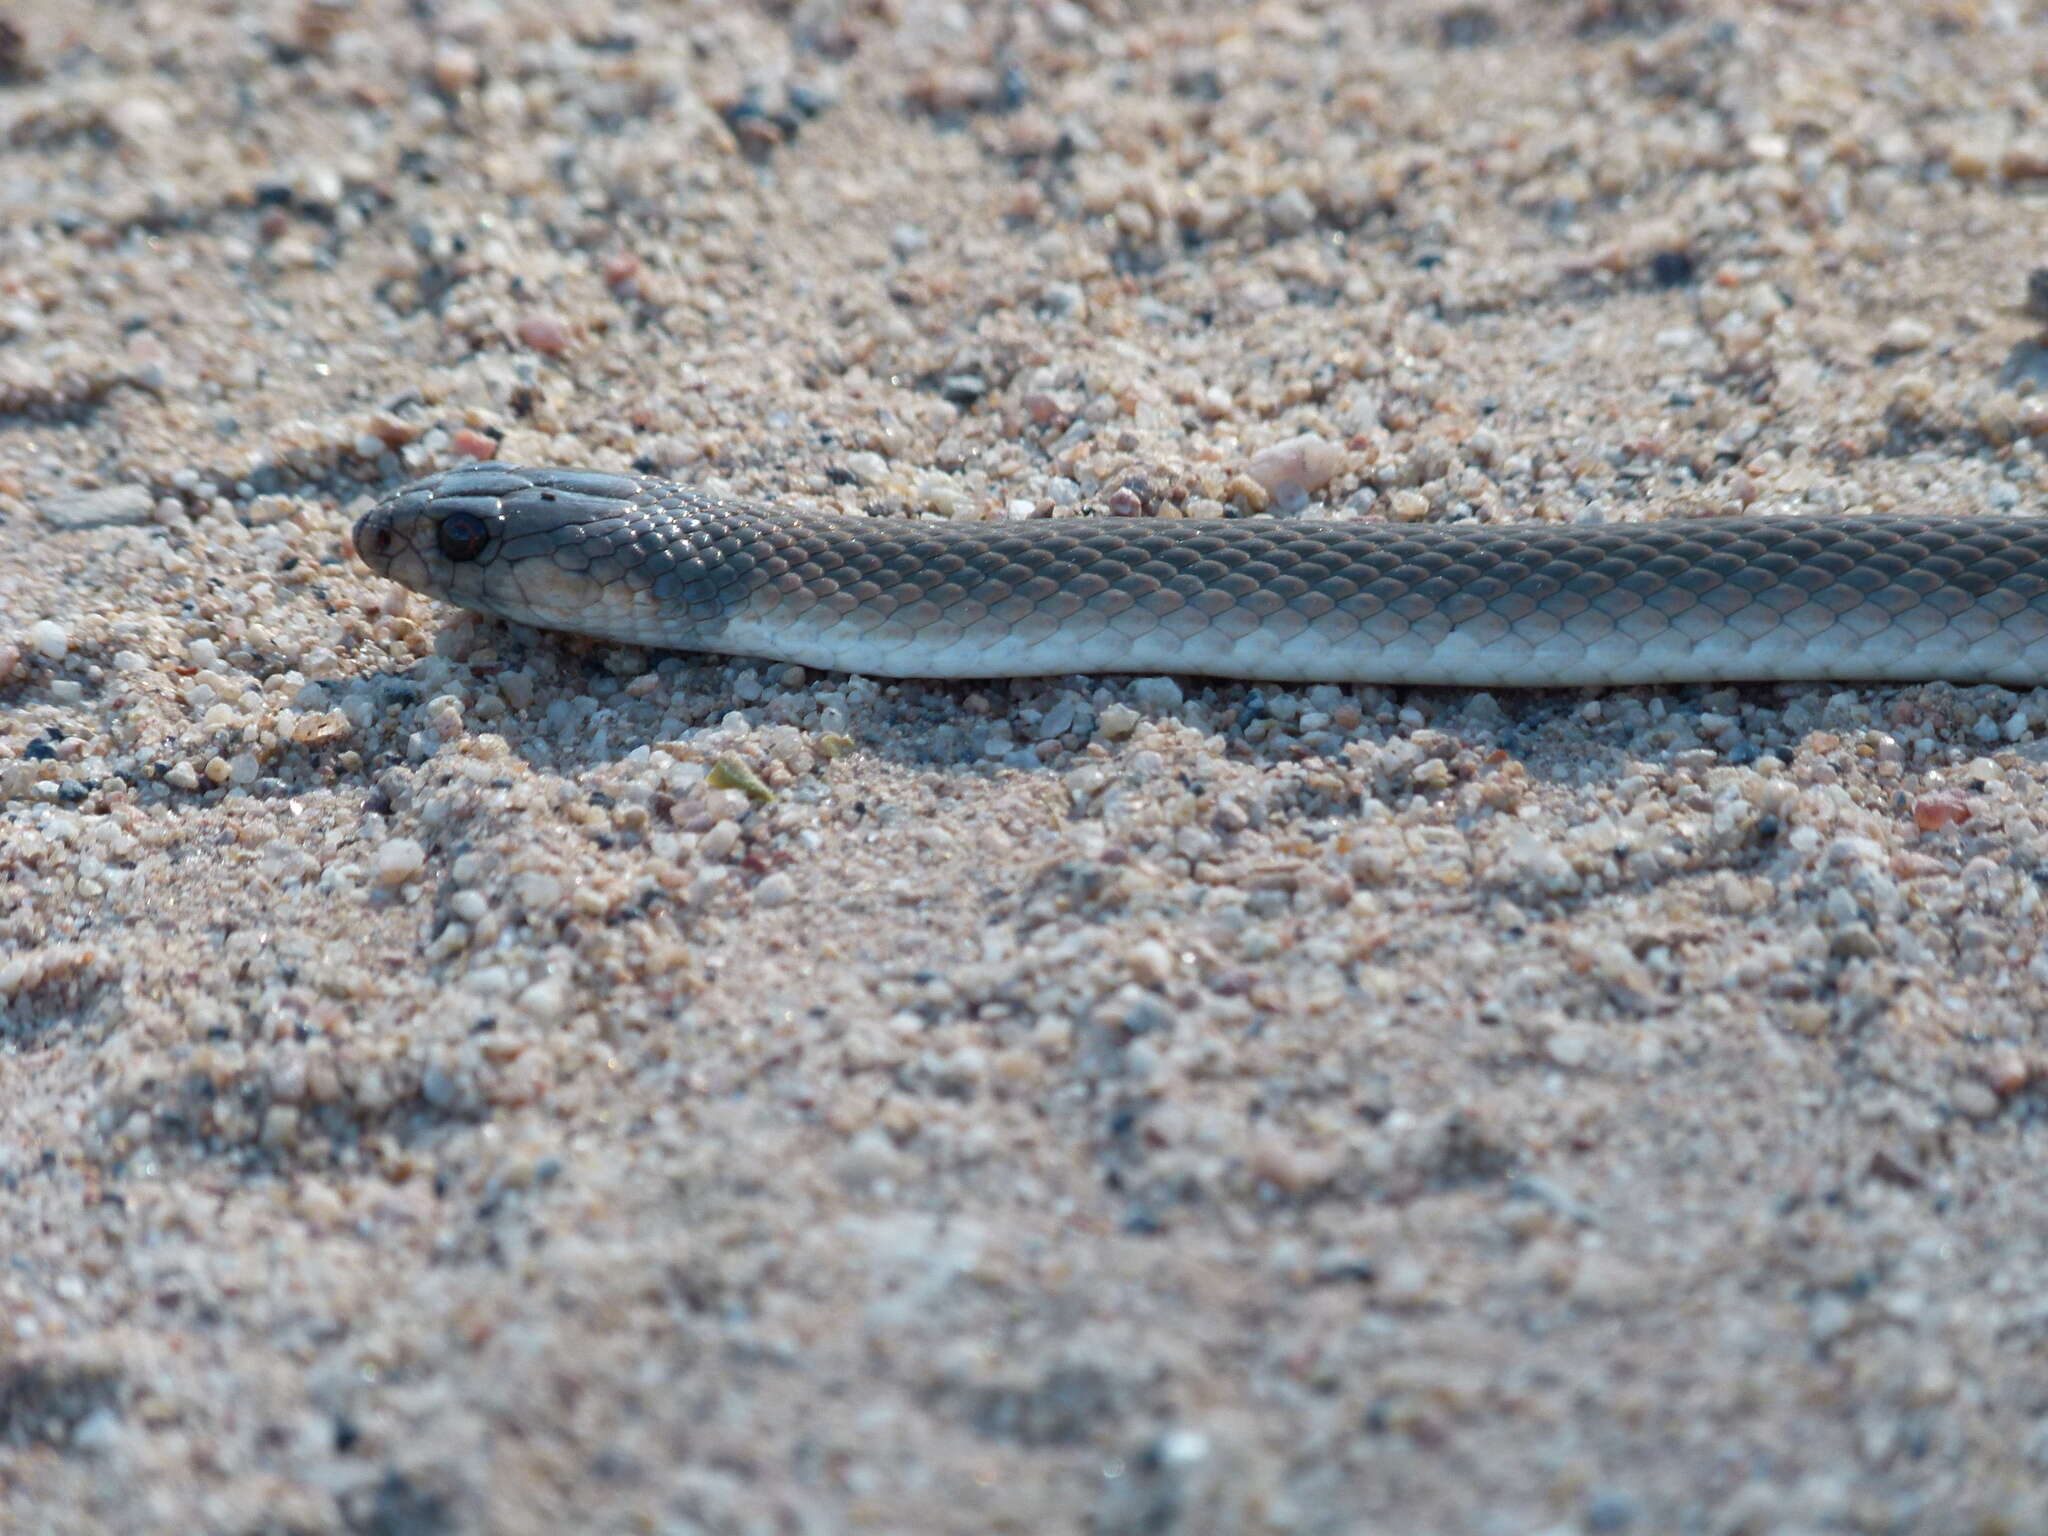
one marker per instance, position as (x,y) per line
(462,536)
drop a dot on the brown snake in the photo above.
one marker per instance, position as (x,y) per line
(649,562)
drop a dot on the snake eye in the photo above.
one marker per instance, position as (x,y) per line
(462,536)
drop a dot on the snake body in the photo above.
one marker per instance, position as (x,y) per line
(649,562)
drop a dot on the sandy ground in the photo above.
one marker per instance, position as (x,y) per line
(430,1102)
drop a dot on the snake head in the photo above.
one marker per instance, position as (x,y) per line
(523,544)
(430,539)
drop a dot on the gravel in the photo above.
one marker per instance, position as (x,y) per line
(457,1079)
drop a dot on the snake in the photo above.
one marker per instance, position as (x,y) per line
(643,561)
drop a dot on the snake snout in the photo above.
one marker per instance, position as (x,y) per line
(375,540)
(395,539)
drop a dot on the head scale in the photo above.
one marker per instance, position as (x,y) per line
(561,549)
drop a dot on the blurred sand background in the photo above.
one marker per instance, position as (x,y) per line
(432,1100)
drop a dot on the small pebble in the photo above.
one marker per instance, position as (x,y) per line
(1672,268)
(730,772)
(1151,963)
(546,1001)
(398,860)
(1158,694)
(1907,334)
(776,890)
(118,506)
(1570,1045)
(545,332)
(1117,721)
(1045,410)
(2007,1072)
(1973,1100)
(1933,812)
(868,468)
(49,639)
(455,69)
(1291,471)
(1290,212)
(141,120)
(539,894)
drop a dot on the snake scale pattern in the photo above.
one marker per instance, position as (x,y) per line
(1741,599)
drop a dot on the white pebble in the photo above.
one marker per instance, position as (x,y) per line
(537,892)
(867,468)
(141,119)
(1151,962)
(546,1001)
(1569,1045)
(1294,470)
(399,860)
(777,890)
(49,639)
(1907,334)
(1408,506)
(489,981)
